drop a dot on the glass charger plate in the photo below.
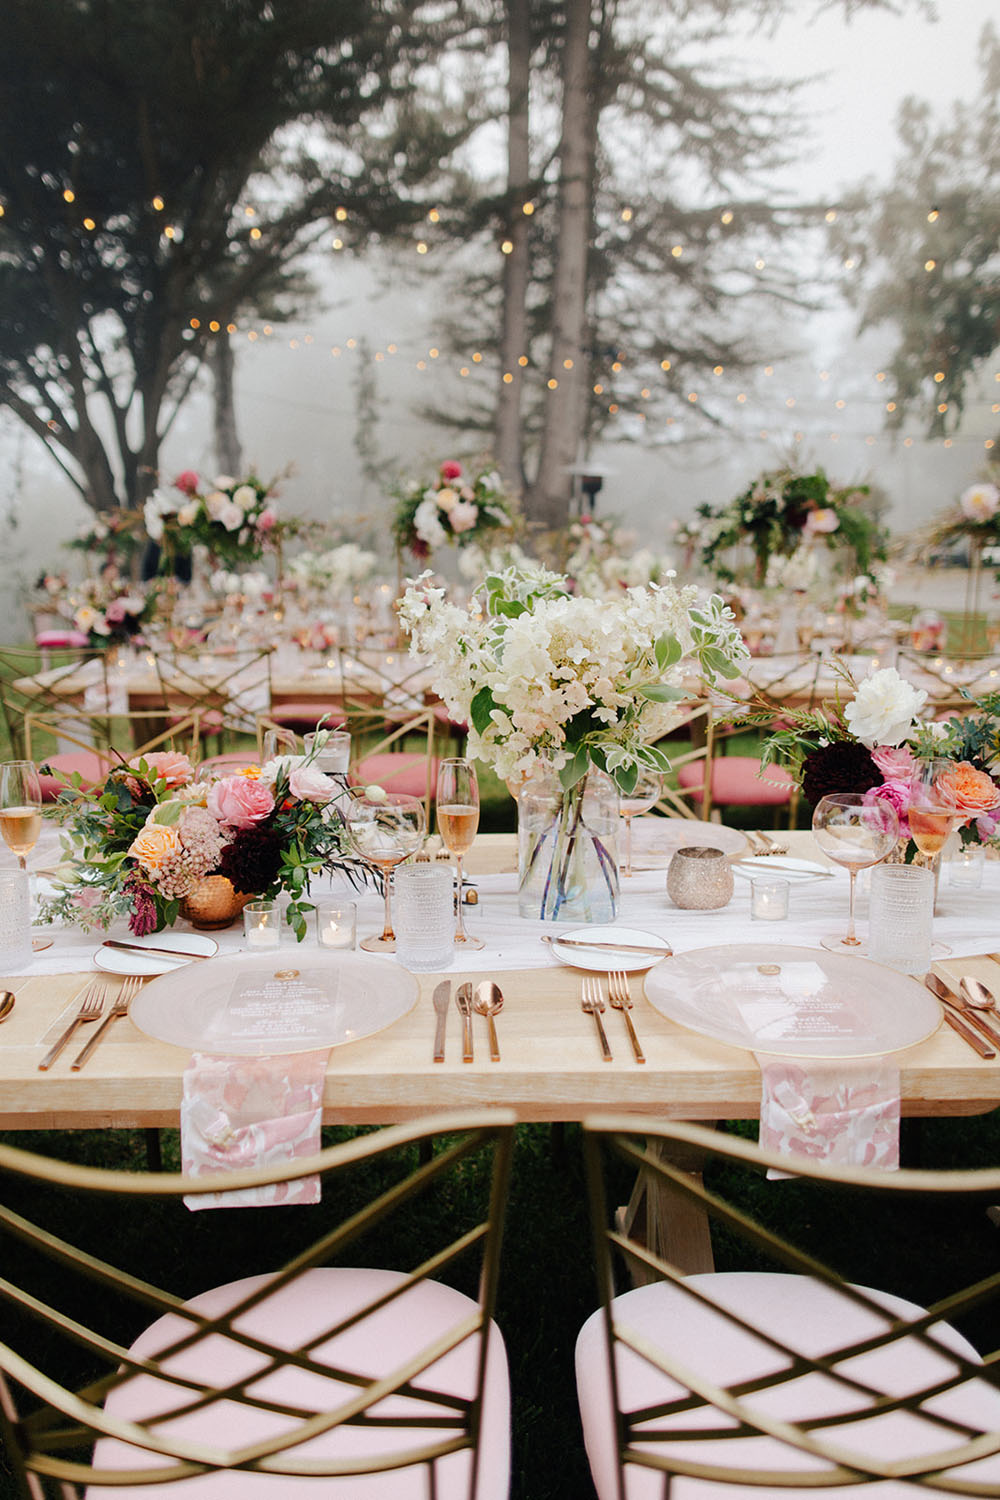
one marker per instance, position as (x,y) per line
(256,1004)
(795,1002)
(655,841)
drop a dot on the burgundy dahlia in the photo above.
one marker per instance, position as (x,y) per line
(252,860)
(843,766)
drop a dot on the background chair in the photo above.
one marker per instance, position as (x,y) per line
(717,780)
(382,1383)
(228,692)
(784,1378)
(91,745)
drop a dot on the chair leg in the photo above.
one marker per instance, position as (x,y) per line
(154,1150)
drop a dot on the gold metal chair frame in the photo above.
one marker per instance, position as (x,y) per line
(45,1441)
(714,1411)
(78,729)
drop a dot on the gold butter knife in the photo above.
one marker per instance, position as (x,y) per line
(148,948)
(442,1000)
(663,952)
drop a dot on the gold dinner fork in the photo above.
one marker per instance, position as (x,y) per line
(593,1003)
(90,1008)
(621,999)
(123,999)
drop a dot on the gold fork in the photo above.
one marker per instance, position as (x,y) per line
(621,999)
(771,846)
(593,1003)
(90,1008)
(123,999)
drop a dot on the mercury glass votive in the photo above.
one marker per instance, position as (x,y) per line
(700,879)
(262,925)
(336,923)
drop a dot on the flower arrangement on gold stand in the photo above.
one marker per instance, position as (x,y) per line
(144,844)
(452,509)
(234,518)
(569,688)
(783,511)
(876,743)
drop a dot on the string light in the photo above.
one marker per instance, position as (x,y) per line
(929,265)
(567,364)
(553,385)
(507,248)
(158,204)
(522,360)
(464,371)
(89,224)
(665,364)
(677,251)
(626,215)
(434,216)
(727,217)
(528,208)
(340,215)
(830,215)
(421,247)
(933,216)
(256,233)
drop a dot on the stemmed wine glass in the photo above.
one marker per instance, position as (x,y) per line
(931,817)
(857,834)
(644,795)
(20,807)
(458,821)
(21,818)
(385,828)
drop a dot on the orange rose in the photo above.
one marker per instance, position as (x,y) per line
(968,791)
(155,845)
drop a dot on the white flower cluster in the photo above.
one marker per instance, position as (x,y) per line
(797,571)
(885,709)
(337,568)
(540,673)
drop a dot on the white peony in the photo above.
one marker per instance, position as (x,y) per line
(245,497)
(230,516)
(427,525)
(188,514)
(463,516)
(884,709)
(214,504)
(980,502)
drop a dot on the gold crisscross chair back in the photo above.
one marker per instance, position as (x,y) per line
(230,692)
(74,678)
(784,1376)
(123,737)
(311,1368)
(391,680)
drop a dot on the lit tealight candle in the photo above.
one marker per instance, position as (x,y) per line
(769,900)
(336,925)
(260,925)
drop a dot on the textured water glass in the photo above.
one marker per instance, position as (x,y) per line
(15,918)
(424,916)
(900,916)
(769,900)
(336,922)
(332,750)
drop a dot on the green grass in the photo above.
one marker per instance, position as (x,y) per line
(921,1250)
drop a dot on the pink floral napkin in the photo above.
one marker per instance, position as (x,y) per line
(247,1112)
(844,1113)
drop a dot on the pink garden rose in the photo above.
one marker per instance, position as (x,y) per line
(188,482)
(174,768)
(266,520)
(450,469)
(894,761)
(897,795)
(240,801)
(969,791)
(463,516)
(308,784)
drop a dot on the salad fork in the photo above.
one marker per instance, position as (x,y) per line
(89,1009)
(593,1003)
(621,999)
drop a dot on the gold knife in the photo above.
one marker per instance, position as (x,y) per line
(968,1013)
(958,1020)
(148,948)
(664,952)
(442,1000)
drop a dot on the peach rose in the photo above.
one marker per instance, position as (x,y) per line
(968,791)
(175,769)
(240,801)
(155,846)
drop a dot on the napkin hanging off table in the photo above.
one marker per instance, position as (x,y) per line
(843,1113)
(249,1112)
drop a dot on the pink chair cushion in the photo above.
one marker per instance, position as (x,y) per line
(91,766)
(307,715)
(373,1347)
(52,639)
(812,1318)
(735,782)
(405,772)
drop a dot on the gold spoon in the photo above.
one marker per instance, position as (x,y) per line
(977,994)
(6,1004)
(488,1001)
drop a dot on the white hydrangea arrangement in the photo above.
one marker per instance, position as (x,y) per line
(336,569)
(542,675)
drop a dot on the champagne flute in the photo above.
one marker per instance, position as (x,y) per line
(644,795)
(458,821)
(385,828)
(856,834)
(21,818)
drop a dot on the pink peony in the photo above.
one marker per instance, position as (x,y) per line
(450,469)
(463,516)
(116,612)
(188,482)
(897,795)
(894,761)
(174,768)
(266,520)
(310,785)
(240,801)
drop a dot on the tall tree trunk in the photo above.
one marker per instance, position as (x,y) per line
(228,452)
(568,368)
(513,337)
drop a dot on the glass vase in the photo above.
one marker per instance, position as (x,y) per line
(567,849)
